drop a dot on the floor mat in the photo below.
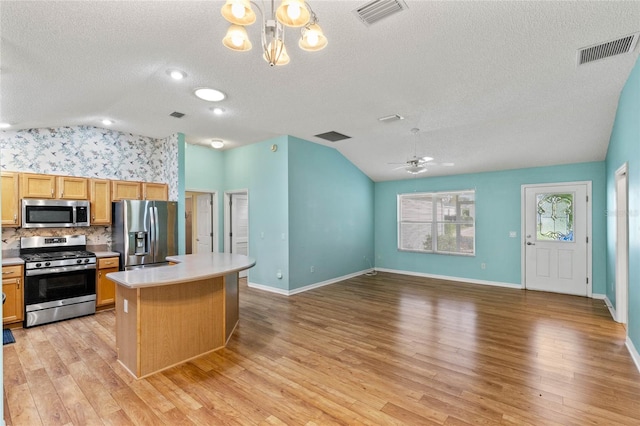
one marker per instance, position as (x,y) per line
(7,337)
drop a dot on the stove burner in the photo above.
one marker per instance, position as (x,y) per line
(56,255)
(49,253)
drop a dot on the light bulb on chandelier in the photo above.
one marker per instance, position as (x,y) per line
(290,13)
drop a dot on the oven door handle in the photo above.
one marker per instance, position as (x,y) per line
(59,269)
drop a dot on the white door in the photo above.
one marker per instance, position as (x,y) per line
(556,229)
(622,246)
(238,231)
(204,223)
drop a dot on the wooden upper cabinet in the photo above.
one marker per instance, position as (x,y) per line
(100,197)
(72,188)
(37,186)
(10,200)
(155,191)
(125,190)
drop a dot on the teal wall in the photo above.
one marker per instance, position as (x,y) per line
(330,215)
(308,206)
(624,146)
(264,174)
(498,199)
(205,173)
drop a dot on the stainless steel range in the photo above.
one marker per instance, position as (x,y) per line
(60,278)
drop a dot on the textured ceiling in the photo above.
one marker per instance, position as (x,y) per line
(490,85)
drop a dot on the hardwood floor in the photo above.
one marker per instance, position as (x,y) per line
(383,350)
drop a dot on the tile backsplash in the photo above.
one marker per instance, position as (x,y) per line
(87,152)
(96,235)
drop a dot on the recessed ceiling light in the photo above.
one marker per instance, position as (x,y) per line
(211,95)
(176,74)
(107,122)
(218,111)
(217,144)
(4,125)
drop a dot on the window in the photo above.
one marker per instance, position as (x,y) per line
(437,222)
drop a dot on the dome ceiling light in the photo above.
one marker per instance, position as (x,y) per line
(211,95)
(217,144)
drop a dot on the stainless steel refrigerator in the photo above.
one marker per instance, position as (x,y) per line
(144,232)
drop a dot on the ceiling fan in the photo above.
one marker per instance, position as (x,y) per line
(416,165)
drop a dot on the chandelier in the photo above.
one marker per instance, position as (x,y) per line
(290,13)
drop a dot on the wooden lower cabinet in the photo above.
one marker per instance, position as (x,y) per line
(12,287)
(105,288)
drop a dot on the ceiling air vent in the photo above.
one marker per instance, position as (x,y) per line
(332,136)
(376,10)
(625,44)
(177,114)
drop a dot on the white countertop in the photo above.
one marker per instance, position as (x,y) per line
(100,254)
(189,267)
(10,261)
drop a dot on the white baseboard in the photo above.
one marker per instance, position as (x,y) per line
(448,278)
(268,288)
(635,356)
(307,287)
(607,302)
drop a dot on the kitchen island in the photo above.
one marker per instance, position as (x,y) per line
(167,315)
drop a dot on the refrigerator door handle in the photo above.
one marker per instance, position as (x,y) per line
(152,233)
(156,234)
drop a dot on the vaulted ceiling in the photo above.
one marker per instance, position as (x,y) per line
(490,85)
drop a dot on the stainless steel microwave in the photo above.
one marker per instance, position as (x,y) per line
(54,213)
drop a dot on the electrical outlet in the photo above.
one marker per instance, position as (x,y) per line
(483,266)
(312,269)
(126,306)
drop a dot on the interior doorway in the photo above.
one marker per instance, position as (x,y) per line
(236,223)
(201,222)
(622,245)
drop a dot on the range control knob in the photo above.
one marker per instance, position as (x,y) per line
(47,263)
(86,260)
(38,265)
(79,261)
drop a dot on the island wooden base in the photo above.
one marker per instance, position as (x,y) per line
(166,325)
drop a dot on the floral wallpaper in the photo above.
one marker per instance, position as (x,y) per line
(87,152)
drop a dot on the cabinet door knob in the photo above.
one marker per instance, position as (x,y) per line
(18,283)
(99,274)
(15,218)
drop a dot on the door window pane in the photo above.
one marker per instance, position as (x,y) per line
(554,217)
